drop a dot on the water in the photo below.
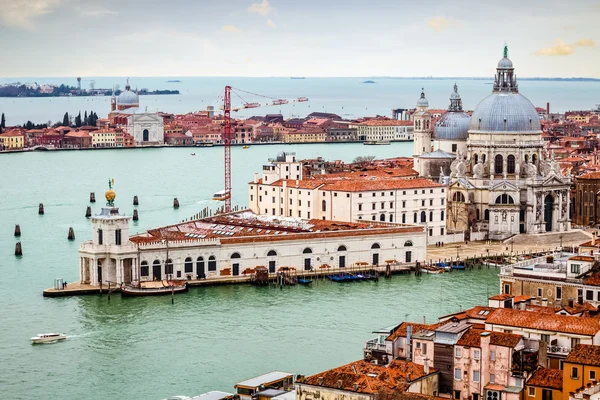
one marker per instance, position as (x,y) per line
(212,337)
(348,97)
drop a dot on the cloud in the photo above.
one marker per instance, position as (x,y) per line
(231,28)
(440,24)
(263,8)
(94,11)
(561,48)
(271,23)
(22,13)
(585,43)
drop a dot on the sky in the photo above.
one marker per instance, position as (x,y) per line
(458,38)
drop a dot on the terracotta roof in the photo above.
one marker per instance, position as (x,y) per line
(502,296)
(363,377)
(582,258)
(579,308)
(82,134)
(401,331)
(547,378)
(591,175)
(13,133)
(519,299)
(544,321)
(471,338)
(586,354)
(505,339)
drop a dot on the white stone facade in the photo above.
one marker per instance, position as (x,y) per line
(146,128)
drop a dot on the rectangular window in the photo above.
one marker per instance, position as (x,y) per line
(373,206)
(457,373)
(430,202)
(334,194)
(259,198)
(424,348)
(251,197)
(506,288)
(442,231)
(492,378)
(592,375)
(492,355)
(539,292)
(575,268)
(558,293)
(589,295)
(273,201)
(458,352)
(391,204)
(308,216)
(531,392)
(360,195)
(442,199)
(299,202)
(422,203)
(360,207)
(545,338)
(475,376)
(382,205)
(418,345)
(476,354)
(118,237)
(408,256)
(404,204)
(574,373)
(454,147)
(273,211)
(404,192)
(574,342)
(347,194)
(100,238)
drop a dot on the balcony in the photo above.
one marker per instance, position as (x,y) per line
(558,350)
(374,344)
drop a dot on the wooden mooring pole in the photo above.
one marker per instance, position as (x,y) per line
(92,197)
(135,215)
(71,235)
(135,201)
(17,230)
(41,209)
(18,249)
(88,212)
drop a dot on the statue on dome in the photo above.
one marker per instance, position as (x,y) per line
(110,194)
(479,169)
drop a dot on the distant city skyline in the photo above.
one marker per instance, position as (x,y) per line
(263,38)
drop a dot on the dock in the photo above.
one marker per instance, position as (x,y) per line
(82,289)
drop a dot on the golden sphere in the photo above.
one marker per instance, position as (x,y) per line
(110,195)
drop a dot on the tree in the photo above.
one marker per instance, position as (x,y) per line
(66,121)
(78,120)
(86,121)
(29,125)
(363,161)
(2,121)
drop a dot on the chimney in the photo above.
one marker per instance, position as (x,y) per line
(256,177)
(548,110)
(355,387)
(570,302)
(544,302)
(593,238)
(408,377)
(426,365)
(320,380)
(297,184)
(339,383)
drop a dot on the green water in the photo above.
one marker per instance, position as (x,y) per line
(212,337)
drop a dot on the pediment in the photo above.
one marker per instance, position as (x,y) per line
(553,179)
(504,186)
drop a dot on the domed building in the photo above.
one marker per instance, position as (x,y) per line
(126,99)
(506,183)
(450,131)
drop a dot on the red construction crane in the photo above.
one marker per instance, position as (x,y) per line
(227,135)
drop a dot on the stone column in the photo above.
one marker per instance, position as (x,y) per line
(81,262)
(118,270)
(492,164)
(94,277)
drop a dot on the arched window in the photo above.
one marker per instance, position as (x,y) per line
(477,214)
(534,159)
(423,216)
(458,197)
(212,263)
(475,158)
(382,217)
(307,251)
(342,248)
(144,269)
(585,197)
(486,215)
(169,267)
(324,205)
(146,135)
(510,164)
(188,265)
(483,158)
(580,201)
(375,246)
(442,216)
(430,216)
(391,217)
(498,161)
(235,255)
(408,243)
(526,158)
(505,199)
(415,218)
(271,253)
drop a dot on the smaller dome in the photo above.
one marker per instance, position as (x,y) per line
(453,125)
(110,195)
(505,63)
(422,102)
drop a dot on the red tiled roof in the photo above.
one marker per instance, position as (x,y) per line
(401,331)
(471,338)
(82,134)
(586,354)
(544,321)
(591,175)
(505,339)
(501,296)
(547,378)
(364,377)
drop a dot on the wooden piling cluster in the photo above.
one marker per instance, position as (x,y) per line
(135,215)
(175,203)
(17,230)
(41,209)
(71,235)
(92,197)
(88,212)
(135,201)
(18,249)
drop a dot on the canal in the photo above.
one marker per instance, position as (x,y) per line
(211,337)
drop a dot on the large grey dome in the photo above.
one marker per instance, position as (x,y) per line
(505,112)
(127,98)
(452,126)
(505,63)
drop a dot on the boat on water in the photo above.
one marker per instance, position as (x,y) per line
(297,77)
(302,281)
(302,99)
(171,287)
(205,144)
(192,154)
(221,195)
(376,142)
(246,147)
(48,338)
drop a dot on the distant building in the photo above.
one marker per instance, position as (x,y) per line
(77,140)
(324,115)
(586,203)
(345,134)
(12,140)
(146,128)
(385,129)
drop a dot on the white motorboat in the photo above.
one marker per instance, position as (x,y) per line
(48,338)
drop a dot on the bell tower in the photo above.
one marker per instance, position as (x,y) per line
(422,127)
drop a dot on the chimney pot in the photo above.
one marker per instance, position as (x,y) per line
(570,302)
(320,380)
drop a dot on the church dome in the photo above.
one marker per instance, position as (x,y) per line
(454,124)
(505,112)
(127,98)
(422,102)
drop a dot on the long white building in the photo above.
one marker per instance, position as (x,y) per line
(383,194)
(232,244)
(385,129)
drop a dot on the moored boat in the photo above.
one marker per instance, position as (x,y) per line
(303,281)
(172,287)
(221,195)
(376,142)
(48,338)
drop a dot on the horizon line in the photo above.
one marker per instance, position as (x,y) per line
(302,76)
